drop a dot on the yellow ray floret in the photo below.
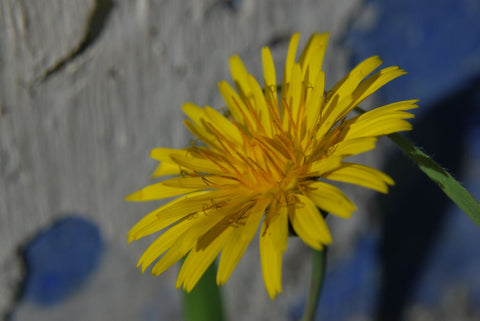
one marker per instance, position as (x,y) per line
(269,161)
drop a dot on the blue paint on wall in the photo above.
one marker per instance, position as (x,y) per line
(436,41)
(455,259)
(60,259)
(350,285)
(349,288)
(427,246)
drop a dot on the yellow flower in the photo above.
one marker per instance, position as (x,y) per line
(267,162)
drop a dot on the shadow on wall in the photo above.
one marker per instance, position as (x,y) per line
(437,43)
(415,211)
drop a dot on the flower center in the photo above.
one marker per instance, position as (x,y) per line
(273,166)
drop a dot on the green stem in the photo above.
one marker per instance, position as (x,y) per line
(319,261)
(204,303)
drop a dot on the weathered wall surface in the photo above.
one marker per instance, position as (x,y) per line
(87,88)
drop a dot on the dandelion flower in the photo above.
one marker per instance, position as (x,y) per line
(267,162)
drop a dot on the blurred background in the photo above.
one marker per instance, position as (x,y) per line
(88,88)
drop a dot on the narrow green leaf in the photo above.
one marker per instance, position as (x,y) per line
(454,190)
(319,262)
(204,302)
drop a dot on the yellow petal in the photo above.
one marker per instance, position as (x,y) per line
(324,165)
(373,83)
(378,127)
(163,243)
(186,241)
(278,227)
(270,77)
(296,93)
(223,125)
(237,243)
(260,105)
(198,260)
(231,255)
(194,112)
(398,106)
(236,105)
(169,213)
(200,165)
(381,121)
(314,105)
(188,206)
(240,76)
(166,166)
(202,133)
(330,199)
(205,117)
(350,147)
(312,56)
(199,182)
(361,175)
(156,192)
(309,224)
(341,102)
(347,85)
(290,60)
(271,258)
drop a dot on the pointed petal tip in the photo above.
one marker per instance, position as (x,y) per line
(221,84)
(142,266)
(316,246)
(221,282)
(156,273)
(134,197)
(220,279)
(179,282)
(189,107)
(384,189)
(349,213)
(273,293)
(235,59)
(188,287)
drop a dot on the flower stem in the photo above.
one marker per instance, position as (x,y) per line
(319,262)
(204,303)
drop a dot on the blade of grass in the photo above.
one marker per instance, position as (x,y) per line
(451,187)
(454,190)
(204,302)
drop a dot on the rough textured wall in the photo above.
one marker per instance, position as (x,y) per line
(87,88)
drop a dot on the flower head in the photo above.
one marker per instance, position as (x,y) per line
(267,162)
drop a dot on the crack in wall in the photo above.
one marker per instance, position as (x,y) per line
(95,26)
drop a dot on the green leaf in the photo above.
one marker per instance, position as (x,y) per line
(454,190)
(204,302)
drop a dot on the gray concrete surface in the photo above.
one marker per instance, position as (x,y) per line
(87,88)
